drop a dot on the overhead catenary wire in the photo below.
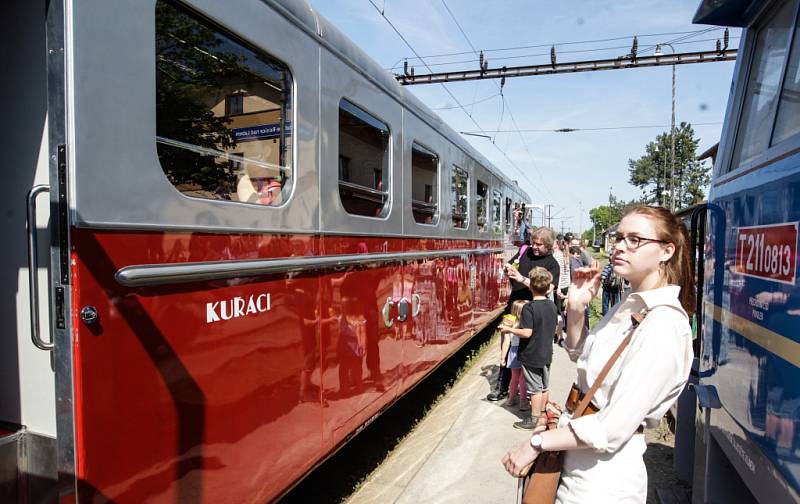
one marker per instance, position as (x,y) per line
(503,99)
(502,114)
(450,107)
(633,52)
(458,102)
(643,49)
(574,42)
(680,40)
(560,53)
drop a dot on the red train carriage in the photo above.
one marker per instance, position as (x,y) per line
(257,241)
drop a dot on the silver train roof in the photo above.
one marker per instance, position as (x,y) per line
(303,14)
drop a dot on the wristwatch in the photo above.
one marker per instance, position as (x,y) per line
(536,441)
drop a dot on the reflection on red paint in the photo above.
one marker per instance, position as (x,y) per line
(176,401)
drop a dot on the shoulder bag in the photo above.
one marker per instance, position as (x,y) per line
(540,485)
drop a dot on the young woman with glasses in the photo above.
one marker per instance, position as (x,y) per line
(603,451)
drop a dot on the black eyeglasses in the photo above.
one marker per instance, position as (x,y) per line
(634,242)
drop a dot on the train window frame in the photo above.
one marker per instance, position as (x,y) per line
(497,211)
(792,141)
(435,204)
(728,165)
(372,120)
(455,170)
(485,226)
(509,214)
(287,152)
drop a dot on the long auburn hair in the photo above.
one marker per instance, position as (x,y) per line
(678,269)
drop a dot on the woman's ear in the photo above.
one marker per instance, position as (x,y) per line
(669,251)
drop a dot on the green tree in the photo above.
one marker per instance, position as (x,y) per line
(657,173)
(605,216)
(192,65)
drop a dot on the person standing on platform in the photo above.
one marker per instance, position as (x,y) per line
(517,390)
(539,253)
(602,450)
(561,254)
(561,257)
(586,257)
(536,328)
(612,287)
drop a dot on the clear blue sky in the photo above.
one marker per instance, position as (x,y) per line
(573,171)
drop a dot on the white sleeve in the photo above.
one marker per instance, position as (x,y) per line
(652,376)
(576,351)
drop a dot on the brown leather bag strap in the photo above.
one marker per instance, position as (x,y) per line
(636,319)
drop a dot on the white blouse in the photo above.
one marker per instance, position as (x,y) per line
(648,376)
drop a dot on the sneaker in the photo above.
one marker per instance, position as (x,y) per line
(497,395)
(524,406)
(512,401)
(528,423)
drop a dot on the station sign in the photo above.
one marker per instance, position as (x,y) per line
(259,132)
(768,252)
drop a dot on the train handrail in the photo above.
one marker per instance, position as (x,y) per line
(33,266)
(697,239)
(159,274)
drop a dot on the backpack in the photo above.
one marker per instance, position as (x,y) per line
(612,281)
(616,281)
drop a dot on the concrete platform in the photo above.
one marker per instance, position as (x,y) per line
(454,454)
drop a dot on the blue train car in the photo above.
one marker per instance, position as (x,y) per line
(747,442)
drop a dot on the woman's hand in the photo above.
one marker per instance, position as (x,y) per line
(584,286)
(521,457)
(513,273)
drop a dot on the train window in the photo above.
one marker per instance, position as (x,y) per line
(787,123)
(460,198)
(482,206)
(424,184)
(497,211)
(508,215)
(223,113)
(762,87)
(363,162)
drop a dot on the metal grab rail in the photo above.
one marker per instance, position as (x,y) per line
(142,275)
(33,266)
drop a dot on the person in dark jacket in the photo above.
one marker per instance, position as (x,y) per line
(540,253)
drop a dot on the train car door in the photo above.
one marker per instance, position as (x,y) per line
(459,272)
(361,216)
(499,284)
(424,226)
(482,263)
(191,164)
